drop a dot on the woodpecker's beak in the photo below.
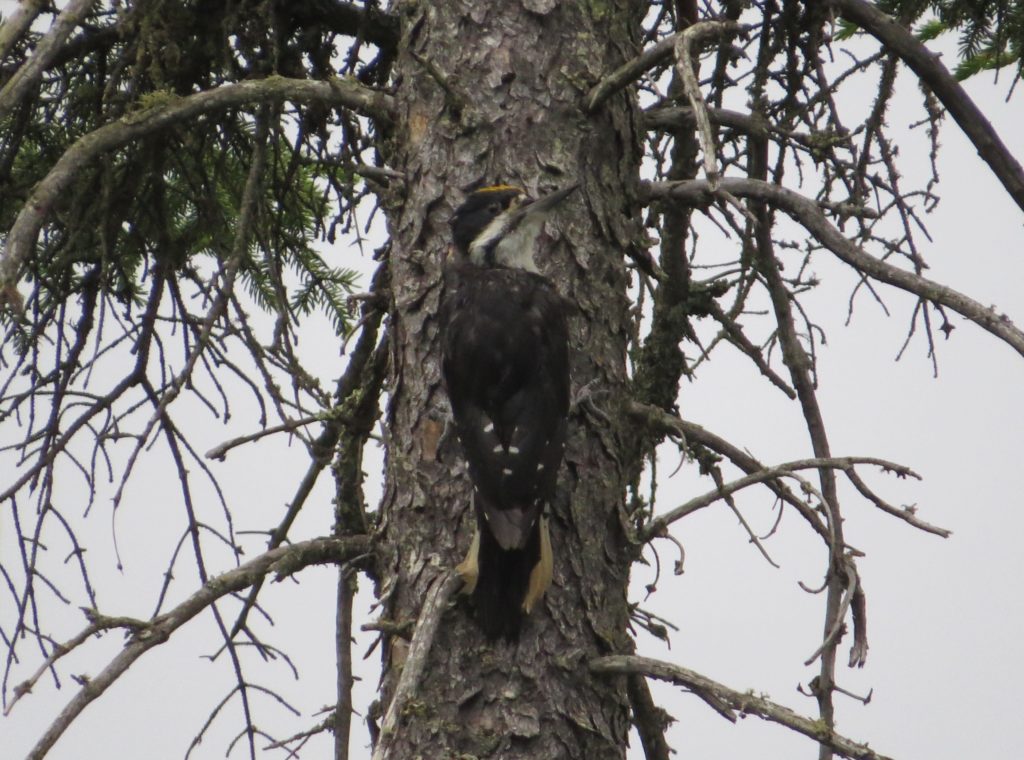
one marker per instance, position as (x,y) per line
(543,205)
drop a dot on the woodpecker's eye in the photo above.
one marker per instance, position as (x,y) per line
(494,209)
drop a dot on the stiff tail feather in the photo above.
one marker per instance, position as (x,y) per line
(506,585)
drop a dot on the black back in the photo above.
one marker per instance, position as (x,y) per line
(506,368)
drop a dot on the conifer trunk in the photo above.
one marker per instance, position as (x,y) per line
(495,92)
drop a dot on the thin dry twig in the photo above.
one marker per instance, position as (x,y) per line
(684,42)
(219,452)
(743,703)
(283,562)
(433,608)
(788,469)
(928,66)
(808,213)
(658,53)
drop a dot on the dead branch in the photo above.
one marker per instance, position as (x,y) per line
(670,424)
(632,70)
(649,719)
(928,66)
(97,624)
(744,703)
(282,562)
(808,213)
(684,42)
(220,303)
(219,452)
(434,607)
(789,469)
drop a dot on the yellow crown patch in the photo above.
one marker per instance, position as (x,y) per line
(499,189)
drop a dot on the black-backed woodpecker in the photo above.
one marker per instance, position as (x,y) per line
(505,364)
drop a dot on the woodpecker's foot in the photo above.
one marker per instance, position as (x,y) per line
(469,568)
(540,576)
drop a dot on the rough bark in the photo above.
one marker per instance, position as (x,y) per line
(510,106)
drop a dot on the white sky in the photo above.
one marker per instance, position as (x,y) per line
(945,616)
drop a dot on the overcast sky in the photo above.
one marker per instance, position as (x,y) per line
(946,617)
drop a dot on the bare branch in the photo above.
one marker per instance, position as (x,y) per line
(688,77)
(341,721)
(283,562)
(649,719)
(926,64)
(219,306)
(745,703)
(219,452)
(669,424)
(789,469)
(809,214)
(648,59)
(833,633)
(907,514)
(97,624)
(434,607)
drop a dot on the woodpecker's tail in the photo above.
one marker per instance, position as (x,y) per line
(506,584)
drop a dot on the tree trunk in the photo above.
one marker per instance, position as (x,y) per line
(494,92)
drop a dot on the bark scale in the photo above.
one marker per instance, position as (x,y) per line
(495,92)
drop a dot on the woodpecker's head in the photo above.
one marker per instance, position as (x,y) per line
(498,225)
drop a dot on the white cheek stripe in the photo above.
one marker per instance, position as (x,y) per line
(493,231)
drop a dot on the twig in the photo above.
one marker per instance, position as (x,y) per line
(840,617)
(734,702)
(283,561)
(926,64)
(695,433)
(801,367)
(227,274)
(352,382)
(219,451)
(789,469)
(907,514)
(341,721)
(632,70)
(426,627)
(809,214)
(684,70)
(97,624)
(736,336)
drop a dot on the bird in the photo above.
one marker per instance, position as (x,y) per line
(505,366)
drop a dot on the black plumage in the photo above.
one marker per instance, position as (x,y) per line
(506,369)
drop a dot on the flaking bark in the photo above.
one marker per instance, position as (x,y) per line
(494,92)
